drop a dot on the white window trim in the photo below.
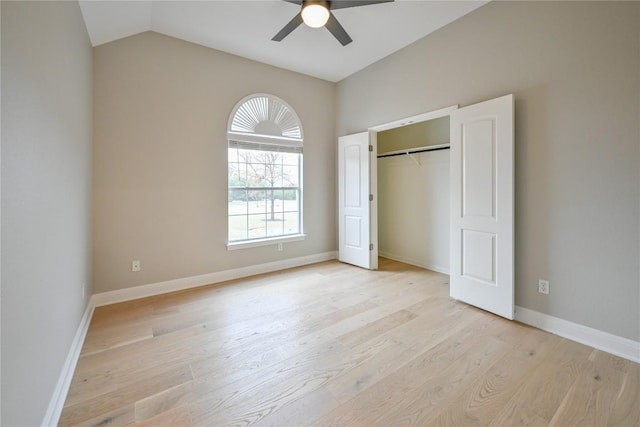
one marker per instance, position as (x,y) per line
(244,244)
(264,139)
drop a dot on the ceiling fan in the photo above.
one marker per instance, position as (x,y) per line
(317,13)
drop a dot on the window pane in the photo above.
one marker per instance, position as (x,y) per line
(256,174)
(232,155)
(273,157)
(233,172)
(237,175)
(290,159)
(274,175)
(237,202)
(245,155)
(269,203)
(278,196)
(291,223)
(291,203)
(275,224)
(257,202)
(257,226)
(273,202)
(290,176)
(237,227)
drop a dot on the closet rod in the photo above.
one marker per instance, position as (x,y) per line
(415,150)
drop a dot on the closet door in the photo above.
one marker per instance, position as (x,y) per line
(482,170)
(356,211)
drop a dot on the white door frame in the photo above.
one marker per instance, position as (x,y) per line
(373,172)
(373,136)
(436,114)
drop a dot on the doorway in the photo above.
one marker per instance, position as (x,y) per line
(481,194)
(413,194)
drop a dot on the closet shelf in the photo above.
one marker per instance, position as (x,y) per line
(415,150)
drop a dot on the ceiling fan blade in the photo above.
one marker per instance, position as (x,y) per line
(298,2)
(287,29)
(343,4)
(337,30)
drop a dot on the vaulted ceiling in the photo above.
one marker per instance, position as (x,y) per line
(245,28)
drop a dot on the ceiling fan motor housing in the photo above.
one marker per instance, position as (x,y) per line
(315,13)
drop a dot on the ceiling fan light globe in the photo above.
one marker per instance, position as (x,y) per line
(315,15)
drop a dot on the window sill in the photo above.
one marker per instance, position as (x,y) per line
(232,246)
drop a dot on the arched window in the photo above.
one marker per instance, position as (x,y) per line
(265,172)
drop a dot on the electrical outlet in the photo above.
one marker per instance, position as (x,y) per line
(543,286)
(280,247)
(135,265)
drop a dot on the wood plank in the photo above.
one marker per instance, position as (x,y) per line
(125,396)
(207,410)
(255,397)
(223,370)
(119,417)
(109,338)
(541,394)
(481,402)
(301,412)
(178,417)
(332,344)
(387,401)
(626,407)
(179,345)
(593,397)
(166,400)
(411,341)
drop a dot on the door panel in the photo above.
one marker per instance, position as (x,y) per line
(479,256)
(356,219)
(482,171)
(353,231)
(478,184)
(352,175)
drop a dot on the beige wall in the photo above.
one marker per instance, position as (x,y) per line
(161,108)
(575,71)
(46,187)
(413,209)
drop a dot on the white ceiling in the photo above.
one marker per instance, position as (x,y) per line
(245,28)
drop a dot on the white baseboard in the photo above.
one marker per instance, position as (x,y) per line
(437,268)
(52,416)
(604,341)
(121,295)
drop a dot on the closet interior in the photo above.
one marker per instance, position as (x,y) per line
(413,194)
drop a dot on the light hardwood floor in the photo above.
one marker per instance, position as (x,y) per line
(330,344)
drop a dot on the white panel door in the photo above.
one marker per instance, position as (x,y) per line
(482,170)
(356,245)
